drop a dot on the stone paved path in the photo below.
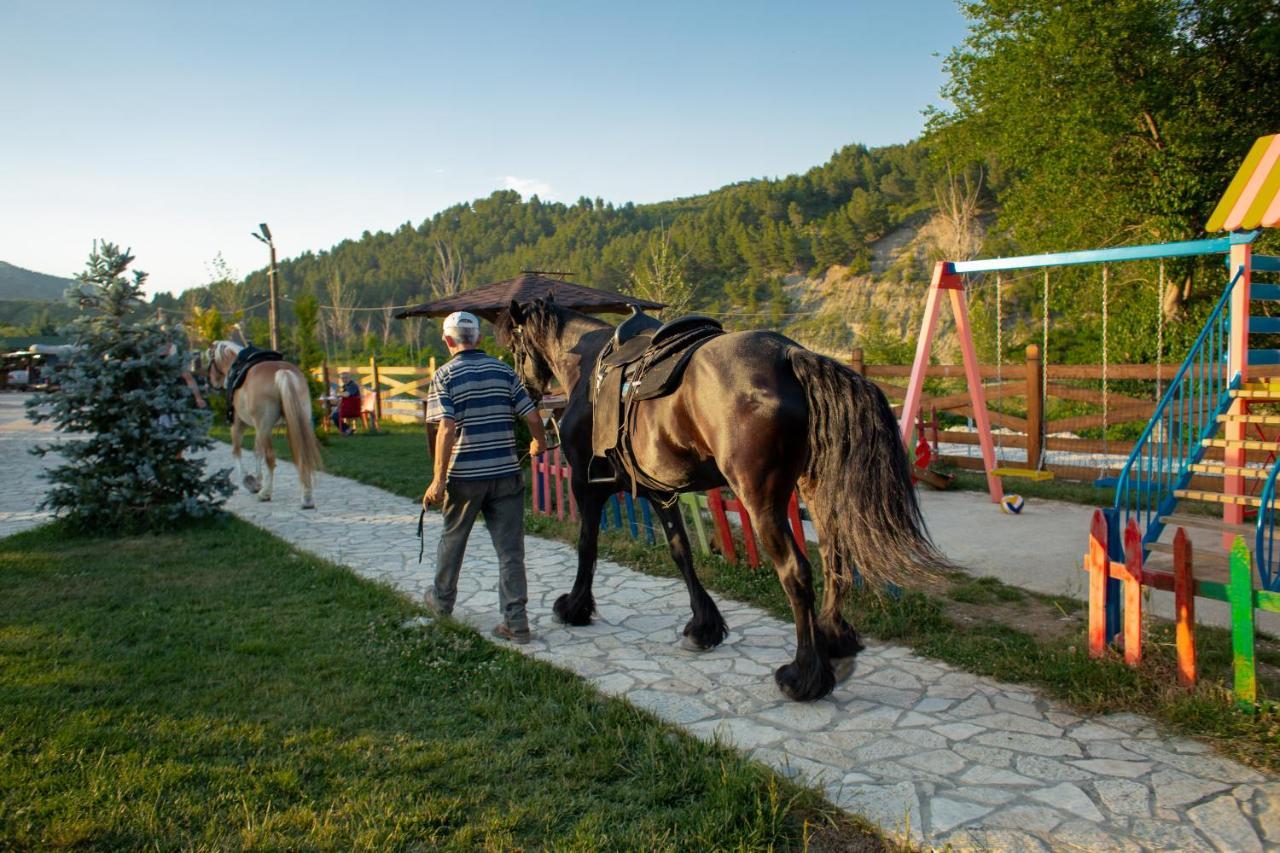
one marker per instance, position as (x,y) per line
(912,744)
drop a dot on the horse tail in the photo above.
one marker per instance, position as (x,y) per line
(295,401)
(857,479)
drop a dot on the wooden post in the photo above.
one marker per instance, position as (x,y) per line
(1240,593)
(1035,408)
(328,403)
(1241,259)
(797,523)
(1184,606)
(715,505)
(856,362)
(377,387)
(1096,564)
(1133,594)
(973,375)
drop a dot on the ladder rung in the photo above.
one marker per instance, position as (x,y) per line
(1198,554)
(1257,394)
(1243,444)
(1207,522)
(1273,420)
(1264,356)
(1219,498)
(1231,470)
(1264,325)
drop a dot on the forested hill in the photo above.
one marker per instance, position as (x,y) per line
(21,284)
(734,244)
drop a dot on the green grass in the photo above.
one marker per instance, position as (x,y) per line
(992,646)
(216,689)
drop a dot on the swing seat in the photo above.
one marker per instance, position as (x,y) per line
(1022,473)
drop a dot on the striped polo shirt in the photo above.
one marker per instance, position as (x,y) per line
(482,396)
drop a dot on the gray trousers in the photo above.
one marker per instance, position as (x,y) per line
(502,502)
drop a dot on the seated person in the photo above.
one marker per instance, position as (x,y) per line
(348,390)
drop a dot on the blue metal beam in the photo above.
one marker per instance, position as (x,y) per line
(1187,248)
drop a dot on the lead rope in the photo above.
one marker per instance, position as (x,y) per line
(1160,335)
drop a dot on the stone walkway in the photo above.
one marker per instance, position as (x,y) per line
(916,746)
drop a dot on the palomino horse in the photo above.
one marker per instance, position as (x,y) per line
(759,413)
(271,390)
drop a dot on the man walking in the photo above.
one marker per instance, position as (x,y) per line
(475,399)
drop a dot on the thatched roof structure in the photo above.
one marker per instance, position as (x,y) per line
(491,300)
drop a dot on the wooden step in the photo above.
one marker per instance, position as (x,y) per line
(1219,498)
(1271,420)
(1199,556)
(1206,522)
(1220,470)
(1257,391)
(1243,444)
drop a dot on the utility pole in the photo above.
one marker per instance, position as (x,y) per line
(273,306)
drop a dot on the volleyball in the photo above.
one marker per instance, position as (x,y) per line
(1011,504)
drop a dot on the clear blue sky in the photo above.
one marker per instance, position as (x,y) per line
(175,127)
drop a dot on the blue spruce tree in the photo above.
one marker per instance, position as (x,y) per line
(132,431)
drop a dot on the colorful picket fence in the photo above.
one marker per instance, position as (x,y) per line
(707,515)
(1115,616)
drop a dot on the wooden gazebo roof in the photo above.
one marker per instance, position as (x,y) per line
(491,300)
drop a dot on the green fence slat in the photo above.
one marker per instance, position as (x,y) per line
(689,501)
(1241,583)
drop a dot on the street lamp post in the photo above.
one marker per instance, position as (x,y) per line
(273,308)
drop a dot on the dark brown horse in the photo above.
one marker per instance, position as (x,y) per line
(761,414)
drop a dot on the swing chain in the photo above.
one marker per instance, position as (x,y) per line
(1105,397)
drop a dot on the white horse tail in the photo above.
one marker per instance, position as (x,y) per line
(295,401)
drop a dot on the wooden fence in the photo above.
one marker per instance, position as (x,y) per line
(399,391)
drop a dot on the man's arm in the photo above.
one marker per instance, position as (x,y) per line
(539,444)
(446,437)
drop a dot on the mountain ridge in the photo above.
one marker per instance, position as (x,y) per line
(21,284)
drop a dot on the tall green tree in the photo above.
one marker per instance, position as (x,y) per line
(132,427)
(1110,121)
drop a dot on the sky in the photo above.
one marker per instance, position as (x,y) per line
(174,128)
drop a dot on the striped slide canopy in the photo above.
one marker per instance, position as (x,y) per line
(1253,197)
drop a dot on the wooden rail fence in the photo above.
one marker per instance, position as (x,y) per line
(1026,381)
(400,392)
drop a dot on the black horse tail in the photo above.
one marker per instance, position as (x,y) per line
(857,480)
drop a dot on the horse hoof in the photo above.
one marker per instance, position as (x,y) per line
(689,644)
(574,614)
(804,686)
(251,483)
(309,505)
(844,668)
(264,497)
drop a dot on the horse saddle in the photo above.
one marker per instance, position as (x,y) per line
(644,360)
(239,369)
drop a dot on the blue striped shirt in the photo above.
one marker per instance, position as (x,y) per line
(482,396)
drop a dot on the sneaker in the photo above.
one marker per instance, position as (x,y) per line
(504,632)
(429,601)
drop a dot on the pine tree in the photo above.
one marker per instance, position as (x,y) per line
(125,471)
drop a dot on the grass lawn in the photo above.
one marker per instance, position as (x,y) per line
(980,625)
(216,689)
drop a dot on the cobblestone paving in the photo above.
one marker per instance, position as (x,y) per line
(916,746)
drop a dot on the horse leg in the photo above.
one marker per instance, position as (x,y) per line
(706,629)
(237,442)
(810,676)
(576,606)
(841,639)
(264,449)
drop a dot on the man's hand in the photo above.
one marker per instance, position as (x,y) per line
(536,448)
(434,493)
(200,403)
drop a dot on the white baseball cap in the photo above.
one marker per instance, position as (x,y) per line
(461,320)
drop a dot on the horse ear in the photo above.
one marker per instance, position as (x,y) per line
(551,298)
(516,312)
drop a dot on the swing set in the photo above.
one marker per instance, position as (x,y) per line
(957,279)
